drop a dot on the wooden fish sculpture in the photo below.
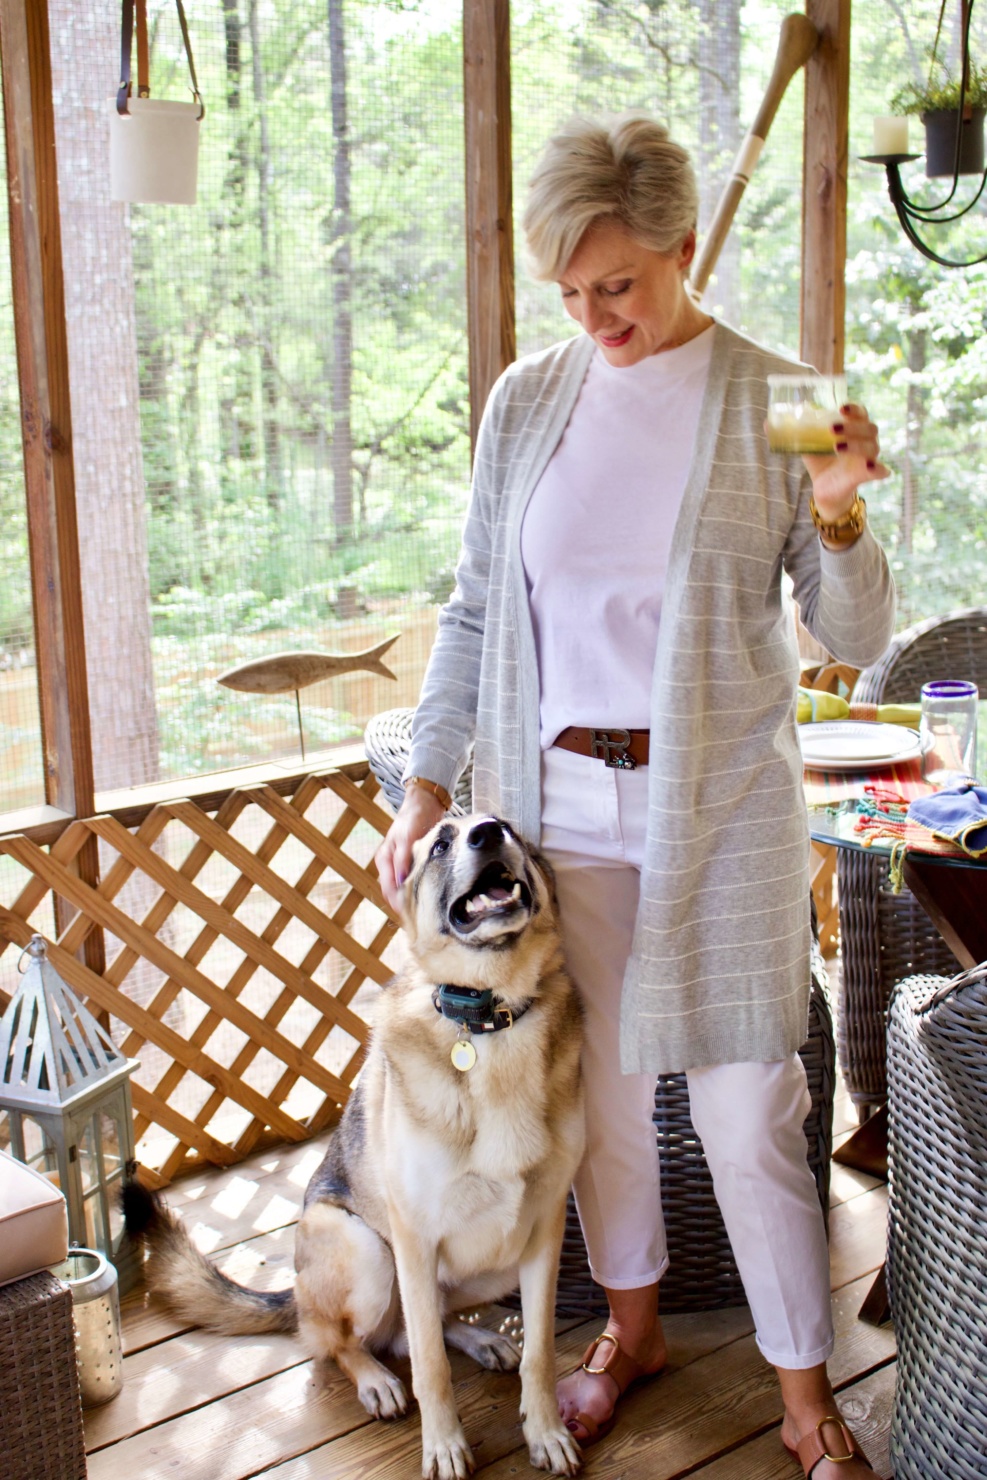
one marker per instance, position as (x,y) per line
(282,672)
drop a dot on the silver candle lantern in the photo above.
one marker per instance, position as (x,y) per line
(96,1314)
(65,1088)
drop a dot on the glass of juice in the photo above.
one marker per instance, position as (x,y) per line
(801,412)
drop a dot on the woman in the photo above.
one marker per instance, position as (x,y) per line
(618,647)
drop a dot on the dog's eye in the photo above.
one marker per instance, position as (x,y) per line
(440,846)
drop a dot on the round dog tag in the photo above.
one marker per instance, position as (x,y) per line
(463,1055)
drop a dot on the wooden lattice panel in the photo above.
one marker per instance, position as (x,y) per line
(233,955)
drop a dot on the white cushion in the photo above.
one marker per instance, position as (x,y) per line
(34,1221)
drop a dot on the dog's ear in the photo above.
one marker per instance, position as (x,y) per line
(407,892)
(547,872)
(406,913)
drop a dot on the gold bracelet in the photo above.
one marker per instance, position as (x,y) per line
(439,792)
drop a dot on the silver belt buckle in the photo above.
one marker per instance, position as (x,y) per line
(610,746)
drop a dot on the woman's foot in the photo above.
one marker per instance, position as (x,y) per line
(588,1399)
(808,1399)
(833,1438)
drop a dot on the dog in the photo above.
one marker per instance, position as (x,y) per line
(444,1185)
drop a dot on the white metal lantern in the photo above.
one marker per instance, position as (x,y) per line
(66,1090)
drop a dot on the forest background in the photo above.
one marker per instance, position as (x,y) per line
(270,398)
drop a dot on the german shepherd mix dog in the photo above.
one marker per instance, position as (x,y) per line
(444,1185)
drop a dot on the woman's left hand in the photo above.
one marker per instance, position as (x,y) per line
(835,480)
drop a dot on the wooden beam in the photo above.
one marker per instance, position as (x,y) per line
(42,357)
(46,420)
(43,825)
(489,208)
(824,187)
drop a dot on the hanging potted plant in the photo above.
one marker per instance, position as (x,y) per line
(937,103)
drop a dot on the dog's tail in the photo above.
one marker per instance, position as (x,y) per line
(192,1287)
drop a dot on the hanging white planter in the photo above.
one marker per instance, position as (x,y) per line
(154,143)
(154,152)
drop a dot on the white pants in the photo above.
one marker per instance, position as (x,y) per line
(749,1117)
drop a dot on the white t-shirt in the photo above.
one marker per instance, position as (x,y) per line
(597,531)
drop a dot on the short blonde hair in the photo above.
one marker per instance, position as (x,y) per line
(626,169)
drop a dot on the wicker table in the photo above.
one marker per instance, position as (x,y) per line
(952,889)
(953,893)
(885,934)
(942,883)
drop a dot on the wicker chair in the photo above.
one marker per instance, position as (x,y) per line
(387,741)
(937,1253)
(702,1274)
(886,936)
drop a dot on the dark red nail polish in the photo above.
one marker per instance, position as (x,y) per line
(837,426)
(845,410)
(841,447)
(871,465)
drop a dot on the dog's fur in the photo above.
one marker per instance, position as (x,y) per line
(440,1190)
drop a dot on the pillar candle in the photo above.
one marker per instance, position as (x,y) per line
(890,135)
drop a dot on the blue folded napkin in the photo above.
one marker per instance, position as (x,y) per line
(957,814)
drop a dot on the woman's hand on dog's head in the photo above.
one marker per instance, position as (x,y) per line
(419,813)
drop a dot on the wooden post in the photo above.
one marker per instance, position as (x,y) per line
(823,293)
(489,211)
(42,358)
(824,184)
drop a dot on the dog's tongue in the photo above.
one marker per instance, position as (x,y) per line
(498,892)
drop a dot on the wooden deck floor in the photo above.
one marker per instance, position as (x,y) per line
(206,1408)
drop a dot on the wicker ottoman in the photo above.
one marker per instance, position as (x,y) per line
(41,1434)
(39,1383)
(937,1225)
(702,1273)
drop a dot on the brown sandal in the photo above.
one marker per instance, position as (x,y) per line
(812,1448)
(622,1370)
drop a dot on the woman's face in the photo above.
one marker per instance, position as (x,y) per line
(629,298)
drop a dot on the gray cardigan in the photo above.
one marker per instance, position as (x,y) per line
(719,968)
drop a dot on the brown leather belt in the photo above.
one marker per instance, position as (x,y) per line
(621,750)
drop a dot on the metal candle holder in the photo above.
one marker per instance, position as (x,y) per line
(908,212)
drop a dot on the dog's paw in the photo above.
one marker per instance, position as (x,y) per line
(383,1395)
(556,1450)
(447,1459)
(494,1351)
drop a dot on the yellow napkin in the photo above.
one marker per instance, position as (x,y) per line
(815,705)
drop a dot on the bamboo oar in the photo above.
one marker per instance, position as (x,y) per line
(796,43)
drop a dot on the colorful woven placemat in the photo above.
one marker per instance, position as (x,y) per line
(881,821)
(912,835)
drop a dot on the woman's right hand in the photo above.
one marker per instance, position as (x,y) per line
(418,814)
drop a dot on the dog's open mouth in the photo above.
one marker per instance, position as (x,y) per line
(496,892)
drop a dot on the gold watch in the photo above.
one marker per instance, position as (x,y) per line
(439,792)
(845,530)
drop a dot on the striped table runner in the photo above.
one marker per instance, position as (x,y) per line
(827,788)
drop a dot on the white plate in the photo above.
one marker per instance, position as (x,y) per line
(856,745)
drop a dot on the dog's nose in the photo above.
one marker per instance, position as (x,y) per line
(487,834)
